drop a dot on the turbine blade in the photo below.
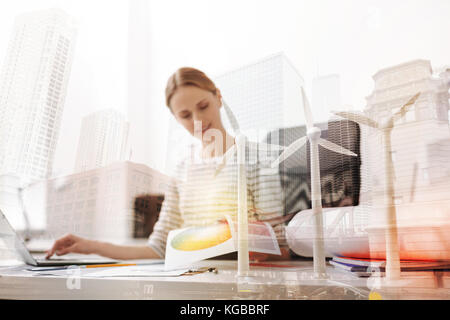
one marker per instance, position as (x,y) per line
(231,117)
(226,158)
(405,108)
(357,117)
(307,110)
(289,151)
(336,148)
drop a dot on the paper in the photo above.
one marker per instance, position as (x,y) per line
(144,268)
(136,271)
(188,245)
(261,237)
(134,262)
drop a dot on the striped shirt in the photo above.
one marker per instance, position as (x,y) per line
(194,197)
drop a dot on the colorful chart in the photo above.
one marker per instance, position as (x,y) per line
(198,238)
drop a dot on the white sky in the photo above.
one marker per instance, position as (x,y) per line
(353,38)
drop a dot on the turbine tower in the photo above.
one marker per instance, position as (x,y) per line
(313,136)
(239,147)
(391,236)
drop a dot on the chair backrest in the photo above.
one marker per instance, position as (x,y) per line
(339,174)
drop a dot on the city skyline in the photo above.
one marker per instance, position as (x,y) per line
(137,131)
(225,150)
(315,35)
(113,69)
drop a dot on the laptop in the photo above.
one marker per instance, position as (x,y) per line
(14,241)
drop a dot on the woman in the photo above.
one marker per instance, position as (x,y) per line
(195,195)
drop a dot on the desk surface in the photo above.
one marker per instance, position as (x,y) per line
(266,283)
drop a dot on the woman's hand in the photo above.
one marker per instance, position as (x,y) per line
(71,244)
(259,257)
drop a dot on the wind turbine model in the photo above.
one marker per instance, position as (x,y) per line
(313,136)
(239,148)
(392,248)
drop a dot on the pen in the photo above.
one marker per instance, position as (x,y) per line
(48,268)
(110,265)
(83,266)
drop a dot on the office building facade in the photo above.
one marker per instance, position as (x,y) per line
(420,150)
(103,140)
(101,203)
(420,139)
(264,95)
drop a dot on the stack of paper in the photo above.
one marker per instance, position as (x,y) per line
(367,267)
(136,271)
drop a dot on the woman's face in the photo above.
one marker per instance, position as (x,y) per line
(197,109)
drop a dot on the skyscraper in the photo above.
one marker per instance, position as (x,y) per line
(139,89)
(264,95)
(33,86)
(103,140)
(326,96)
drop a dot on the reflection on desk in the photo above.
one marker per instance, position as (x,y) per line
(297,282)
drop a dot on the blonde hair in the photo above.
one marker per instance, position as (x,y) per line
(187,76)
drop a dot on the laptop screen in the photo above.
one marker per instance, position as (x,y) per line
(10,241)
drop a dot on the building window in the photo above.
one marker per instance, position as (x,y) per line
(393,156)
(397,200)
(91,203)
(94,181)
(425,174)
(83,183)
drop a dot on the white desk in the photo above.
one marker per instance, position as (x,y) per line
(269,283)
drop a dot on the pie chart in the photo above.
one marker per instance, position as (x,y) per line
(198,238)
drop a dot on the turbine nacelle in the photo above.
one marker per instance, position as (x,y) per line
(314,134)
